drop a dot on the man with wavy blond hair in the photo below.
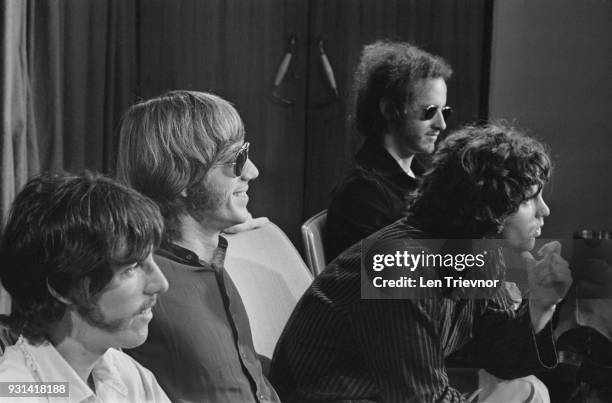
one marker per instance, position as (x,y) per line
(186,150)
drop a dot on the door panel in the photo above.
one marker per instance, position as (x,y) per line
(459,31)
(233,48)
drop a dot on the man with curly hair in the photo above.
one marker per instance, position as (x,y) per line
(484,191)
(77,260)
(400,108)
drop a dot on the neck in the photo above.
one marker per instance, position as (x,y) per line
(79,355)
(403,159)
(202,241)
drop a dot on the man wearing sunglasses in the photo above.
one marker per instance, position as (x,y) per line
(353,338)
(186,151)
(400,108)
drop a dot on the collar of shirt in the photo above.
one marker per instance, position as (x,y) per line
(373,157)
(52,367)
(187,257)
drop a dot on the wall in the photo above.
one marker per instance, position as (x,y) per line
(551,72)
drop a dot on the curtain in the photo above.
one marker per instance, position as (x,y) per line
(68,74)
(88,60)
(18,145)
(83,79)
(459,31)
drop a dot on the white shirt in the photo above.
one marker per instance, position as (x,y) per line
(117,377)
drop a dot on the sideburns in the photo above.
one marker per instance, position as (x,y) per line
(201,199)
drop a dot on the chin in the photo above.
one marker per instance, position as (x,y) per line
(134,336)
(134,340)
(426,149)
(231,216)
(241,216)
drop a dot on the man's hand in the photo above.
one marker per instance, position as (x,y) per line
(248,225)
(549,280)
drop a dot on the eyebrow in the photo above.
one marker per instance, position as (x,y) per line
(532,195)
(227,153)
(233,149)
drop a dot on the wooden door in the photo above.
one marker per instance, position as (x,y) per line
(458,31)
(233,48)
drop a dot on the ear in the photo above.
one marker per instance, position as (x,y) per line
(387,109)
(57,295)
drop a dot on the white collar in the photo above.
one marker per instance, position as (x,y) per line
(47,365)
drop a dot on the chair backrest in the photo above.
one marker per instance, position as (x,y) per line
(270,276)
(313,235)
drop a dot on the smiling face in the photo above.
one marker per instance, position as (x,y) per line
(525,225)
(120,318)
(413,135)
(221,200)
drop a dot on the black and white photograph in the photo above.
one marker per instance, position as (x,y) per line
(306,201)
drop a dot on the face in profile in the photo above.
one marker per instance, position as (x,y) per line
(417,133)
(523,227)
(123,310)
(221,200)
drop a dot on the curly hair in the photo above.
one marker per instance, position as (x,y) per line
(69,233)
(390,70)
(480,175)
(168,143)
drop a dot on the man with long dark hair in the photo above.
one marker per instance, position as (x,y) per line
(485,191)
(77,260)
(400,109)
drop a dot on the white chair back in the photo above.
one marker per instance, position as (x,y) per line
(270,276)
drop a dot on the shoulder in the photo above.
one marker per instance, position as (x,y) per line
(360,178)
(13,366)
(166,265)
(175,271)
(164,261)
(359,186)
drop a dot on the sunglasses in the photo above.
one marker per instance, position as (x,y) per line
(240,159)
(430,111)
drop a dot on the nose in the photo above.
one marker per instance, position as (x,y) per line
(156,281)
(438,120)
(543,209)
(249,172)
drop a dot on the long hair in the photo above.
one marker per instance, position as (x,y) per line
(168,144)
(69,233)
(480,175)
(390,70)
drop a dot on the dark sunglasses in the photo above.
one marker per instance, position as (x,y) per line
(430,111)
(240,159)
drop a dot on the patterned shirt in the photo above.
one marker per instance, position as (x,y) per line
(338,347)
